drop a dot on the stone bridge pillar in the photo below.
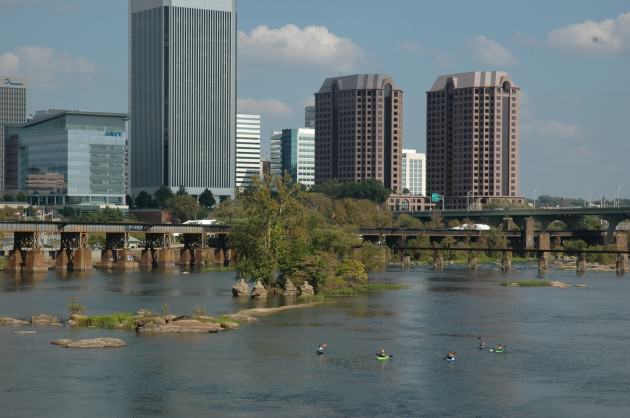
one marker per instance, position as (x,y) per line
(27,255)
(157,252)
(544,243)
(195,250)
(580,264)
(528,233)
(506,261)
(220,251)
(472,261)
(74,253)
(438,260)
(621,239)
(114,256)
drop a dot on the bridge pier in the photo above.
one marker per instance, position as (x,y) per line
(506,261)
(27,255)
(472,261)
(157,252)
(528,233)
(438,261)
(543,256)
(580,264)
(621,240)
(194,251)
(74,253)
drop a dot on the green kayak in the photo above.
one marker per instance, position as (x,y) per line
(382,358)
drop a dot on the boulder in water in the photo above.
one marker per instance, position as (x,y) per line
(97,343)
(259,291)
(45,320)
(240,288)
(306,289)
(289,289)
(12,321)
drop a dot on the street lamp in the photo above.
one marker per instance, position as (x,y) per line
(618,191)
(535,191)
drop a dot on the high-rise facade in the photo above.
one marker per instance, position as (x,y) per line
(309,117)
(247,150)
(183,95)
(12,112)
(293,152)
(358,126)
(69,158)
(473,138)
(414,172)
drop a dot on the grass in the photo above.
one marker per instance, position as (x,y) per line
(112,321)
(218,269)
(527,283)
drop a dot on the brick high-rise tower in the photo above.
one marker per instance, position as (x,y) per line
(473,139)
(358,130)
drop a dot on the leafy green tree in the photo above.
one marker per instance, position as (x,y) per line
(206,199)
(20,197)
(163,195)
(182,191)
(129,201)
(183,207)
(366,189)
(590,223)
(143,200)
(9,198)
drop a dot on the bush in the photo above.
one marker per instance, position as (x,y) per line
(75,308)
(374,257)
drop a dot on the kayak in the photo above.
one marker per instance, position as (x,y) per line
(319,353)
(498,351)
(383,358)
(449,359)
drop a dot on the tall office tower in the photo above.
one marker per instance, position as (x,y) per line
(473,139)
(358,130)
(414,172)
(247,150)
(183,95)
(275,153)
(12,112)
(309,117)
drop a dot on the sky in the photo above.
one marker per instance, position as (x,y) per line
(571,59)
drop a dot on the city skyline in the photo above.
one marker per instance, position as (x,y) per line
(570,118)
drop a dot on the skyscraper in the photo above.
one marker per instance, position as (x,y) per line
(309,117)
(293,152)
(247,150)
(358,130)
(183,95)
(12,112)
(414,172)
(473,139)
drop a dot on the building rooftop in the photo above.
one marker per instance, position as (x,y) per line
(55,113)
(358,82)
(473,79)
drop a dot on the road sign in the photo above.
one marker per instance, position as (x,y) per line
(436,197)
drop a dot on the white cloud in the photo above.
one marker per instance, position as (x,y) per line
(269,107)
(607,36)
(525,40)
(491,53)
(552,130)
(308,46)
(46,67)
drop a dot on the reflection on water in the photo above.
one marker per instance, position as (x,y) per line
(554,364)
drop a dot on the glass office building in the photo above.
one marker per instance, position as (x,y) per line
(293,152)
(69,158)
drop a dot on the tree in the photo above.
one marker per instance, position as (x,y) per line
(182,191)
(129,201)
(366,189)
(162,196)
(20,197)
(143,200)
(206,199)
(183,207)
(9,198)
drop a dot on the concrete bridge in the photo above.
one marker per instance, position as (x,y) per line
(569,216)
(200,243)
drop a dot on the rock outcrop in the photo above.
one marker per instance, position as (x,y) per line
(46,320)
(76,320)
(259,291)
(61,341)
(185,326)
(96,343)
(12,321)
(240,288)
(289,289)
(306,289)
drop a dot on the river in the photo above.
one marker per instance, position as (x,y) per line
(566,354)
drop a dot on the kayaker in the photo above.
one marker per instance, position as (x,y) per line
(322,348)
(500,348)
(450,355)
(482,342)
(381,353)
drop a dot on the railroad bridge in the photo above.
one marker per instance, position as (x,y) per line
(200,243)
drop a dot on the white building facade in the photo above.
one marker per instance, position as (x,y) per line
(12,111)
(414,172)
(247,150)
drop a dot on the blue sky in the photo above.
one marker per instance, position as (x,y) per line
(570,58)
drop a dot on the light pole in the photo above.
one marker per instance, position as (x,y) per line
(590,197)
(468,194)
(535,191)
(618,191)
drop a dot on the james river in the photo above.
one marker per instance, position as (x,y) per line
(568,350)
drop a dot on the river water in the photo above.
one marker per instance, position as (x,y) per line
(566,355)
